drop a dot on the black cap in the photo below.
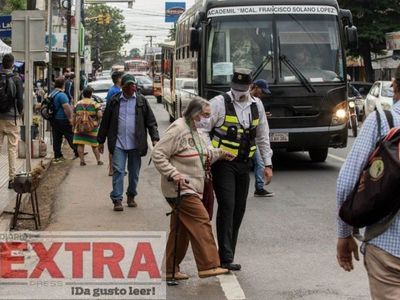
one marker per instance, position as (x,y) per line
(241,80)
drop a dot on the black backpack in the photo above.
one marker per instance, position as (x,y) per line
(375,199)
(8,92)
(47,110)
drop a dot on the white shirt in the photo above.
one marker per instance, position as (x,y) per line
(243,112)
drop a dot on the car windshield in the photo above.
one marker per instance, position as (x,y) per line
(143,80)
(101,86)
(387,90)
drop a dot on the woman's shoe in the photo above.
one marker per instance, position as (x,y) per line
(100,163)
(178,276)
(83,163)
(213,272)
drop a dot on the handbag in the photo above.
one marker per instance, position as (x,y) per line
(208,193)
(22,183)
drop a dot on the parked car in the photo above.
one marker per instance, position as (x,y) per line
(101,88)
(145,84)
(380,96)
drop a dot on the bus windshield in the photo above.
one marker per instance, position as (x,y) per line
(309,42)
(239,42)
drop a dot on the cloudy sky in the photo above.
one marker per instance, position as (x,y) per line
(147,18)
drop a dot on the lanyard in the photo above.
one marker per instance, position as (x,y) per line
(198,145)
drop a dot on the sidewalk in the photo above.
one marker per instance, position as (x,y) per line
(7,196)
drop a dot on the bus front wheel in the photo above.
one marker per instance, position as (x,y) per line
(318,155)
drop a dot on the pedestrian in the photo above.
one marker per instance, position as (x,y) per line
(68,87)
(87,111)
(115,89)
(11,108)
(127,119)
(382,253)
(180,157)
(260,89)
(61,124)
(238,125)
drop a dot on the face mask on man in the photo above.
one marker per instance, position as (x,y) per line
(129,90)
(203,123)
(240,95)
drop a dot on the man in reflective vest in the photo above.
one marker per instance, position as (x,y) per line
(238,124)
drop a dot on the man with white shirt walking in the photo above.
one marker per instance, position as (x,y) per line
(238,125)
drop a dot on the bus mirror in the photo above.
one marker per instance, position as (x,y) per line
(346,17)
(199,17)
(194,39)
(352,37)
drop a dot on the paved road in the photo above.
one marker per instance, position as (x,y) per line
(286,244)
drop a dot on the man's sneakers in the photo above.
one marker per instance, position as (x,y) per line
(213,272)
(131,201)
(263,193)
(118,205)
(58,160)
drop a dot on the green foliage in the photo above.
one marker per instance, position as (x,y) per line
(373,19)
(171,34)
(134,52)
(10,5)
(110,37)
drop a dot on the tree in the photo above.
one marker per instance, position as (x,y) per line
(171,34)
(134,53)
(109,38)
(373,18)
(7,6)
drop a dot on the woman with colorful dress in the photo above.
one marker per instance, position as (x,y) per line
(87,118)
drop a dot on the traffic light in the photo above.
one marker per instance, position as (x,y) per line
(107,18)
(100,19)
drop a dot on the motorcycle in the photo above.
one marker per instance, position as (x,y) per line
(353,119)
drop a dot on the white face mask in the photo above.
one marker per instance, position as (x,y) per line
(203,123)
(240,96)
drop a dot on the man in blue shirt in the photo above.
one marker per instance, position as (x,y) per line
(127,120)
(115,89)
(260,90)
(381,253)
(62,122)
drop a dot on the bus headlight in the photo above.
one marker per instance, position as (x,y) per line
(340,113)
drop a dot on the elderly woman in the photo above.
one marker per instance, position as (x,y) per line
(180,156)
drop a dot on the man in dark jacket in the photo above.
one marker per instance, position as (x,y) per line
(11,107)
(125,123)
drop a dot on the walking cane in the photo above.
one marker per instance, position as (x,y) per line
(173,280)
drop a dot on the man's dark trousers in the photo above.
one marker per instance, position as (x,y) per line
(231,185)
(62,128)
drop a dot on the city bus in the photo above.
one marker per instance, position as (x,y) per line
(167,79)
(136,66)
(298,46)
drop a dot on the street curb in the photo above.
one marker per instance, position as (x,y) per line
(7,216)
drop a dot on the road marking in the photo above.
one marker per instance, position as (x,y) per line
(231,287)
(337,157)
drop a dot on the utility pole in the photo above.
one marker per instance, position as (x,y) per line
(151,39)
(50,30)
(69,33)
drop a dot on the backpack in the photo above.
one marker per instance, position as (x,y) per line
(47,110)
(375,200)
(8,92)
(83,121)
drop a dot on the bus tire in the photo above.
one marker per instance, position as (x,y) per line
(159,99)
(318,155)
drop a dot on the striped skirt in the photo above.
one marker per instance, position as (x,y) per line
(86,138)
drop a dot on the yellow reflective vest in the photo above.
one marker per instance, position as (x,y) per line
(231,136)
